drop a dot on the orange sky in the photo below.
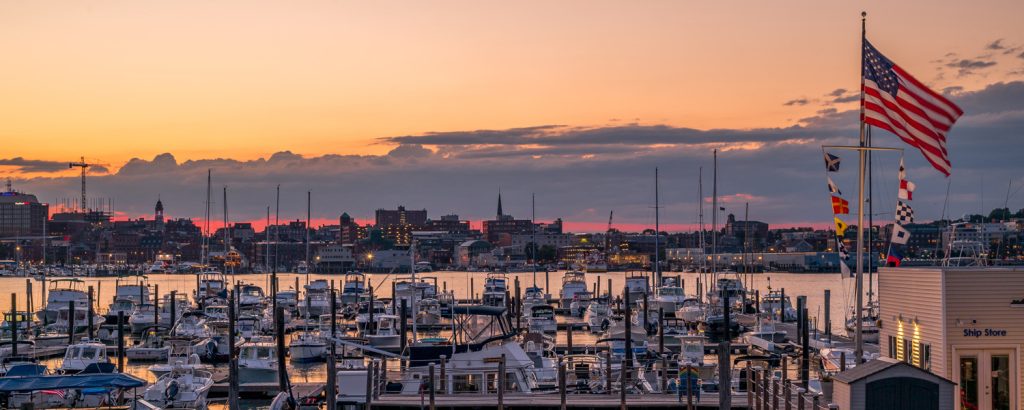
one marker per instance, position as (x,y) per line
(113,80)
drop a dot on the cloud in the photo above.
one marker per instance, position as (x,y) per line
(573,169)
(996,45)
(41,166)
(966,67)
(797,101)
(838,92)
(952,89)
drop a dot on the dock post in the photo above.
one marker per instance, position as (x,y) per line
(689,391)
(561,383)
(645,314)
(697,289)
(31,307)
(369,312)
(724,351)
(800,398)
(404,328)
(755,390)
(472,290)
(828,314)
(120,341)
(432,386)
(568,338)
(661,331)
(547,281)
(174,307)
(609,291)
(501,383)
(750,384)
(378,377)
(88,315)
(787,394)
(71,322)
(369,385)
(393,298)
(776,387)
(597,289)
(814,402)
(156,304)
(332,364)
(282,369)
(805,354)
(664,373)
(842,361)
(624,371)
(757,301)
(766,387)
(14,324)
(608,369)
(782,305)
(232,359)
(444,375)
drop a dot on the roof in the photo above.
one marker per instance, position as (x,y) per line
(879,365)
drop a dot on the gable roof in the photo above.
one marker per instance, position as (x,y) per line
(879,365)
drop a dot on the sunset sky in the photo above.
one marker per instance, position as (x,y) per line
(435,104)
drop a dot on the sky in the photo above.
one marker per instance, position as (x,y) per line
(439,104)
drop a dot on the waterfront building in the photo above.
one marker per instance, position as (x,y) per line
(505,225)
(400,216)
(468,251)
(964,324)
(21,214)
(334,258)
(753,234)
(349,230)
(448,223)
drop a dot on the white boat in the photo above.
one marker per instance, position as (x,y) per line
(638,285)
(257,363)
(573,282)
(216,312)
(249,326)
(495,289)
(302,268)
(869,325)
(669,298)
(81,320)
(212,284)
(778,307)
(150,348)
(542,319)
(126,306)
(691,353)
(288,299)
(598,316)
(62,292)
(24,347)
(250,295)
(182,387)
(832,358)
(531,297)
(379,308)
(430,312)
(384,334)
(473,371)
(766,337)
(353,287)
(690,310)
(142,317)
(616,336)
(413,291)
(182,355)
(191,325)
(82,354)
(307,347)
(579,304)
(316,303)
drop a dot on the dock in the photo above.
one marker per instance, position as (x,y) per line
(553,401)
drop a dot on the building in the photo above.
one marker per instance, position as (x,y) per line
(963,324)
(468,251)
(505,225)
(334,258)
(21,214)
(925,239)
(891,384)
(448,223)
(751,234)
(349,230)
(400,216)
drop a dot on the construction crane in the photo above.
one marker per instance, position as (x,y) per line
(84,165)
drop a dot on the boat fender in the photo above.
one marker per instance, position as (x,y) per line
(604,325)
(172,390)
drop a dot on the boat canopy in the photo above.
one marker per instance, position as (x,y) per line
(64,382)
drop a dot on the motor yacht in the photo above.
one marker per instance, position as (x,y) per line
(384,334)
(150,348)
(183,354)
(495,289)
(579,304)
(61,293)
(430,312)
(542,319)
(182,387)
(307,346)
(573,282)
(778,306)
(257,363)
(143,316)
(598,315)
(353,287)
(690,310)
(80,355)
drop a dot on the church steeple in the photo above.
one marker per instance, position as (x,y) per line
(159,216)
(500,213)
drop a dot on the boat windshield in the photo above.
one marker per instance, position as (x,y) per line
(671,291)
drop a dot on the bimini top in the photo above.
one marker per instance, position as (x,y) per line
(63,382)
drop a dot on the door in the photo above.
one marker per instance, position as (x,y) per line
(902,393)
(987,379)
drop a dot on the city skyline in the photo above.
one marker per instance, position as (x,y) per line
(437,106)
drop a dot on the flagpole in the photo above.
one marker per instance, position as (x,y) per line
(859,336)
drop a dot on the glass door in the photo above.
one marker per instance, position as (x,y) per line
(986,380)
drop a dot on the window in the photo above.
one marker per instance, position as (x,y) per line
(892,347)
(926,356)
(908,346)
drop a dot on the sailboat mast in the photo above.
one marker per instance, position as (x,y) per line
(309,197)
(206,235)
(700,217)
(227,234)
(871,224)
(277,225)
(266,247)
(714,221)
(533,231)
(657,233)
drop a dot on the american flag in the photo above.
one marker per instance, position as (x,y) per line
(893,100)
